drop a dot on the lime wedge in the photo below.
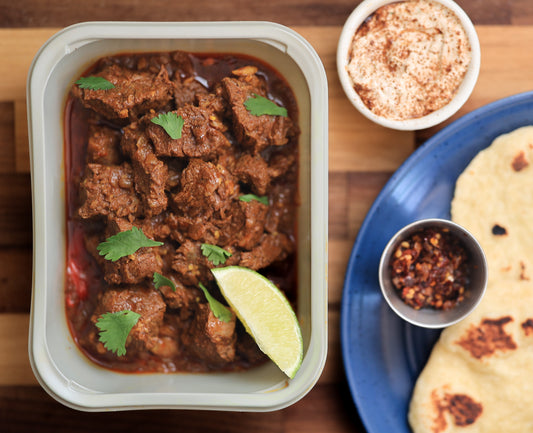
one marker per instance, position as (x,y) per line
(265,313)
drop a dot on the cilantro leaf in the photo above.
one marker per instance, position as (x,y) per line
(94,83)
(115,328)
(258,105)
(171,123)
(214,254)
(125,243)
(160,280)
(249,197)
(220,311)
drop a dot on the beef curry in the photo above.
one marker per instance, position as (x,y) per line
(228,181)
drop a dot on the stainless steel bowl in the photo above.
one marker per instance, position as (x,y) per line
(430,317)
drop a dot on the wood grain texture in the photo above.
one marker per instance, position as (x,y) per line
(60,13)
(22,151)
(328,409)
(15,280)
(15,210)
(362,157)
(14,362)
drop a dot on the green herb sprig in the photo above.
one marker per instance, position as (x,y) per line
(220,311)
(171,123)
(160,280)
(94,83)
(125,243)
(215,254)
(249,197)
(258,105)
(115,328)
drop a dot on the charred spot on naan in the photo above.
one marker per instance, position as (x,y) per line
(487,338)
(527,326)
(463,409)
(523,274)
(498,230)
(519,161)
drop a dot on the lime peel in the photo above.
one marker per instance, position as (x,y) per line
(265,313)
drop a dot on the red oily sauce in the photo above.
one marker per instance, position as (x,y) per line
(173,346)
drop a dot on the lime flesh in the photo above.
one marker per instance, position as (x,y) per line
(265,313)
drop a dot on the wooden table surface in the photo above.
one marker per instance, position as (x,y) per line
(362,158)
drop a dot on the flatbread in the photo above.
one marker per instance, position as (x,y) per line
(479,375)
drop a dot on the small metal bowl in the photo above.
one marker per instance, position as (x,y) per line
(430,317)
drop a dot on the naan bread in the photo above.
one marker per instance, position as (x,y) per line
(479,377)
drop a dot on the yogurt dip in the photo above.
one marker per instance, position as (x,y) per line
(408,59)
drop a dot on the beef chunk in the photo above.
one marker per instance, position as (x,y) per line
(191,265)
(134,268)
(135,93)
(155,228)
(168,344)
(281,162)
(210,339)
(152,63)
(183,64)
(215,103)
(254,132)
(138,266)
(103,145)
(187,91)
(205,189)
(273,247)
(201,137)
(253,170)
(183,298)
(242,226)
(147,302)
(281,209)
(109,191)
(255,218)
(150,174)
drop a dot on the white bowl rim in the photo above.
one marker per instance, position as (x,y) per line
(354,21)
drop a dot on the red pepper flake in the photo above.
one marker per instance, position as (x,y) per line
(430,269)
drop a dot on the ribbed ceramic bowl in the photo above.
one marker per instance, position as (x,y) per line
(59,366)
(356,19)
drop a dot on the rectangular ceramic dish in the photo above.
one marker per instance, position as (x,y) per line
(62,370)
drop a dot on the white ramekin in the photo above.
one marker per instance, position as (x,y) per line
(356,19)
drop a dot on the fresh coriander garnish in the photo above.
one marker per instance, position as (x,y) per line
(160,280)
(258,105)
(249,197)
(171,123)
(94,83)
(220,311)
(115,328)
(214,254)
(125,243)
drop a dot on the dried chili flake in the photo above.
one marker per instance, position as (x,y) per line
(430,269)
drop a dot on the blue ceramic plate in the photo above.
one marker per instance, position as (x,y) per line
(382,354)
